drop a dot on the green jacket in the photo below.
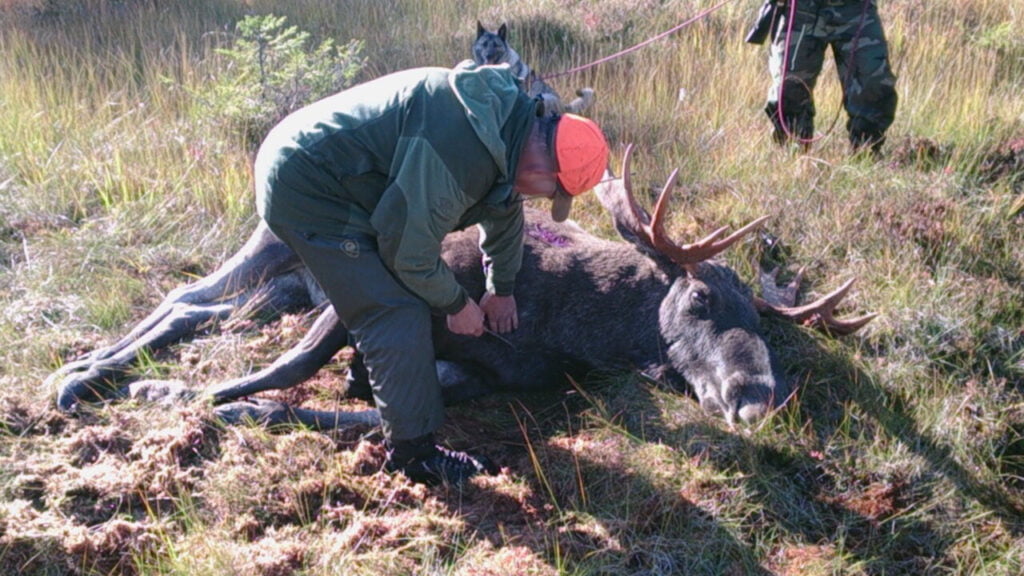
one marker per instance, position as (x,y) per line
(406,159)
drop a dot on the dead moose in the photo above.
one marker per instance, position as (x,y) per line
(585,303)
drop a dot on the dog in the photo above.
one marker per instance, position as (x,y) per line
(491,48)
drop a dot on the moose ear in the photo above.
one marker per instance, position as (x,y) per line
(503,32)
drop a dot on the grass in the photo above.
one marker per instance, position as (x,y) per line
(902,453)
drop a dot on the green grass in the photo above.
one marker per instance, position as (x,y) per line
(901,454)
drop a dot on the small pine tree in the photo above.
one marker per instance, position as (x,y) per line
(271,70)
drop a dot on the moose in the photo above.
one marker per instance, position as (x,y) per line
(667,309)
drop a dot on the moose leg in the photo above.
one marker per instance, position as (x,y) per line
(270,414)
(262,258)
(461,382)
(584,100)
(258,270)
(325,337)
(91,380)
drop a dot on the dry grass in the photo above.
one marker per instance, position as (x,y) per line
(903,453)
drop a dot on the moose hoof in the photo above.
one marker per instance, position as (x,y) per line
(159,391)
(88,386)
(263,412)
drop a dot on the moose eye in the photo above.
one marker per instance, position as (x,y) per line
(700,300)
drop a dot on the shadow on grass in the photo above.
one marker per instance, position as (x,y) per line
(735,501)
(591,509)
(880,518)
(889,413)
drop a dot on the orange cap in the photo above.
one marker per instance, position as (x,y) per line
(582,155)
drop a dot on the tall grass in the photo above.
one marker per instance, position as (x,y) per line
(901,454)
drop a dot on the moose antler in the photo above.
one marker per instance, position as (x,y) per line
(633,222)
(781,300)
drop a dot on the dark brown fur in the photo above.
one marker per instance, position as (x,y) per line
(584,303)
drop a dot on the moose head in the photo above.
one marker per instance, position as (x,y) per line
(708,318)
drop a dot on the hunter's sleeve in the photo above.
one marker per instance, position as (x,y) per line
(501,241)
(420,207)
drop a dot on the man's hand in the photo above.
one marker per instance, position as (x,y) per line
(500,312)
(469,321)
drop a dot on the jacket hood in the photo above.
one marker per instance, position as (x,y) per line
(488,94)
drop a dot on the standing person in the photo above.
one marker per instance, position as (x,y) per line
(803,29)
(364,185)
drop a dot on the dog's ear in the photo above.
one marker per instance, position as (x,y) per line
(502,32)
(480,29)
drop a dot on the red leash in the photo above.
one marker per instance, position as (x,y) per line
(631,49)
(845,81)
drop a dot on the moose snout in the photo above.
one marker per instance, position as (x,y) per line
(748,399)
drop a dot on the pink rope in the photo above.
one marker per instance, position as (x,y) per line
(845,82)
(631,49)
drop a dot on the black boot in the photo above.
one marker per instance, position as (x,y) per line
(358,379)
(866,138)
(425,462)
(798,125)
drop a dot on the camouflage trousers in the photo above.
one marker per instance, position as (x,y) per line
(853,30)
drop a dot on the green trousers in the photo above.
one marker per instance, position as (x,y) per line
(388,324)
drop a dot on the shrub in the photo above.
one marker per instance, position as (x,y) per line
(271,70)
